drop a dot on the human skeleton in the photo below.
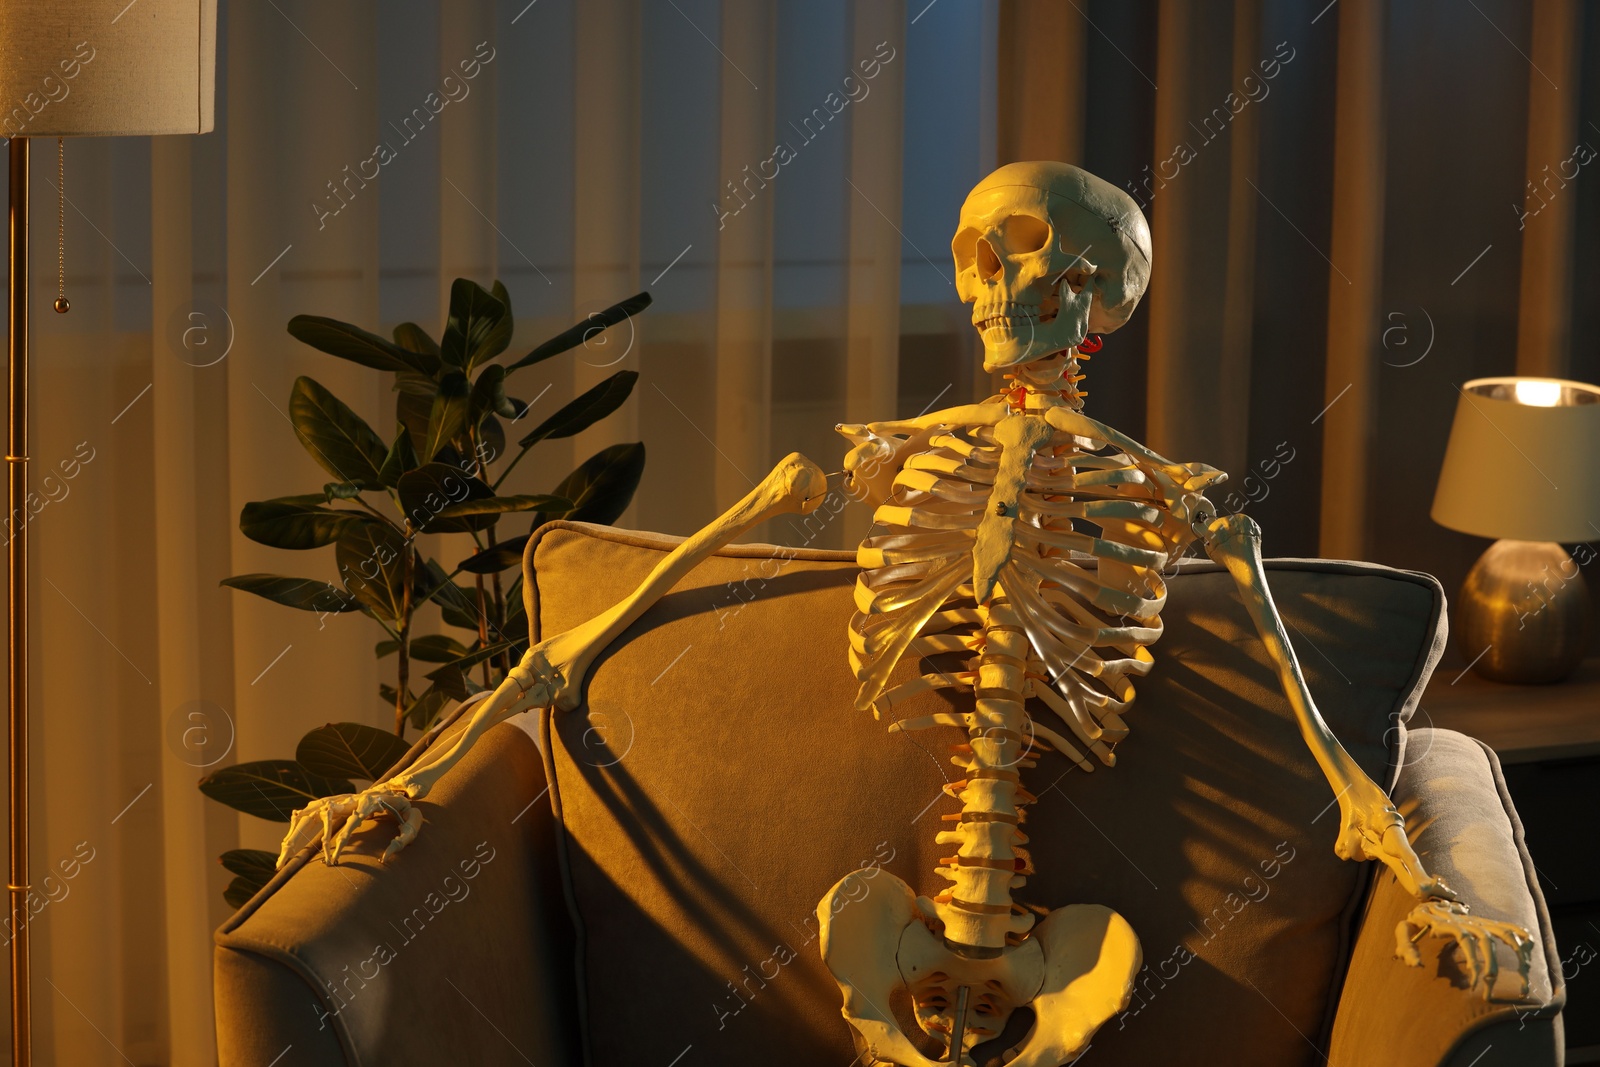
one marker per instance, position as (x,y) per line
(1029,539)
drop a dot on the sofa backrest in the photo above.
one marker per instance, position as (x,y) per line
(716,782)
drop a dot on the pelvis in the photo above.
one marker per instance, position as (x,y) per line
(1075,970)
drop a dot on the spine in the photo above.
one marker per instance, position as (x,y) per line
(977,910)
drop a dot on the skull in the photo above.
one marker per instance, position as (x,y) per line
(1046,254)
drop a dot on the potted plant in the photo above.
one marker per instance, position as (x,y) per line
(440,473)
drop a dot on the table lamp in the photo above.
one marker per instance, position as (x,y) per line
(1523,465)
(74,68)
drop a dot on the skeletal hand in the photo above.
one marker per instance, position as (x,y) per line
(1474,935)
(339,816)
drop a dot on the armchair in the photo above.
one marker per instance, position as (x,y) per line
(635,881)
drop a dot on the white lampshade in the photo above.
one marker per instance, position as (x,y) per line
(100,68)
(1523,462)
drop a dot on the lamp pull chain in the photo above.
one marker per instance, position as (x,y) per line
(62,304)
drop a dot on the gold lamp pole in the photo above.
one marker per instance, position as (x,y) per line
(17,570)
(73,68)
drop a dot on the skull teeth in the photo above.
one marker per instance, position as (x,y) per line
(1006,315)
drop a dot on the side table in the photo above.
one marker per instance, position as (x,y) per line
(1548,741)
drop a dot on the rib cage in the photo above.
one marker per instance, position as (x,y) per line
(1090,536)
(1088,628)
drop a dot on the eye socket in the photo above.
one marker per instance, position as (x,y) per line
(1024,233)
(964,247)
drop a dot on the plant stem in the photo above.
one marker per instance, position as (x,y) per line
(386,627)
(402,690)
(500,610)
(495,485)
(435,591)
(483,629)
(499,597)
(381,516)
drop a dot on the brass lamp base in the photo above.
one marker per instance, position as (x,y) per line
(1524,613)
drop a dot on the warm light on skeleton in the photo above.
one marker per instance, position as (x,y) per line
(1021,544)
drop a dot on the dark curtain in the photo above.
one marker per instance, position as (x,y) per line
(1337,196)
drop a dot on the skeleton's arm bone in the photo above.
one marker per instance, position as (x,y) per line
(552,672)
(1371,828)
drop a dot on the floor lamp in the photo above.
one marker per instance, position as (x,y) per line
(73,68)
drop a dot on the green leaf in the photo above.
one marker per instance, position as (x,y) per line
(252,863)
(411,411)
(483,511)
(341,490)
(453,683)
(447,416)
(294,522)
(491,439)
(409,381)
(499,292)
(413,338)
(253,869)
(602,486)
(479,327)
(270,788)
(371,560)
(387,647)
(357,345)
(387,694)
(426,708)
(428,492)
(496,557)
(586,410)
(457,604)
(239,892)
(516,621)
(471,659)
(337,438)
(437,648)
(576,335)
(428,577)
(307,594)
(350,750)
(488,393)
(402,457)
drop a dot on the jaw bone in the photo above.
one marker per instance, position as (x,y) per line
(1075,970)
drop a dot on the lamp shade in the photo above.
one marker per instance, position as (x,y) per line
(100,68)
(1523,461)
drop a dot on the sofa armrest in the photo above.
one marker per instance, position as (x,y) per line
(458,950)
(1461,821)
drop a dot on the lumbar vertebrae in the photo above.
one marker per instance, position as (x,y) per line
(1027,541)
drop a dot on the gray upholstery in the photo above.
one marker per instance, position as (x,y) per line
(662,901)
(1462,822)
(457,952)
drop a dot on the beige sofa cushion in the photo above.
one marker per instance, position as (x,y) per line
(717,782)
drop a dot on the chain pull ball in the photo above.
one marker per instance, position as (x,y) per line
(62,304)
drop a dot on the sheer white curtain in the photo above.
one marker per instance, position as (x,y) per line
(782,176)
